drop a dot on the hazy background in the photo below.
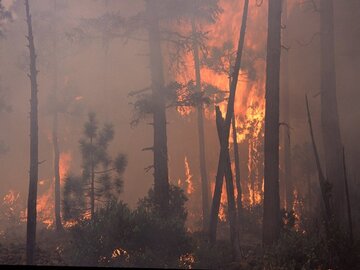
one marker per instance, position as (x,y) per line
(94,80)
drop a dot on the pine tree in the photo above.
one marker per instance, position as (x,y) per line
(101,181)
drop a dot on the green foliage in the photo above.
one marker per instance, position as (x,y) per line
(98,167)
(118,236)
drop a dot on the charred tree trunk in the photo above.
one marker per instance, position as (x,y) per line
(200,124)
(58,223)
(92,181)
(234,233)
(348,201)
(161,185)
(56,150)
(324,185)
(289,190)
(271,216)
(224,145)
(308,178)
(237,170)
(34,159)
(329,111)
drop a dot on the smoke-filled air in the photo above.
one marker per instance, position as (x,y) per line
(211,134)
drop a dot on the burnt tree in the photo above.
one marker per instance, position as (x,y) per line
(271,214)
(224,145)
(161,177)
(55,139)
(288,182)
(323,182)
(34,159)
(329,111)
(205,192)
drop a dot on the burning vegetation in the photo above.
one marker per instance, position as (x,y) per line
(179,134)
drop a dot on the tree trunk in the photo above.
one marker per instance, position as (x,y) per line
(55,133)
(200,124)
(308,178)
(351,235)
(92,183)
(34,159)
(161,185)
(329,112)
(324,185)
(289,190)
(237,170)
(234,233)
(224,145)
(271,215)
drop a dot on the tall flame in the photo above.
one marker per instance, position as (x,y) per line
(249,107)
(188,178)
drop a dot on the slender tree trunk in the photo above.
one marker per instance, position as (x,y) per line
(224,145)
(56,172)
(161,186)
(271,216)
(329,112)
(234,233)
(308,178)
(92,183)
(289,190)
(324,185)
(205,192)
(34,159)
(348,201)
(237,170)
(55,133)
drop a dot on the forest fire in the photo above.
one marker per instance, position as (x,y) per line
(45,202)
(249,103)
(180,133)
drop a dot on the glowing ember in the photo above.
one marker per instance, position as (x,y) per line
(119,252)
(297,208)
(10,198)
(187,260)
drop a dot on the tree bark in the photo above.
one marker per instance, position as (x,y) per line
(289,189)
(271,215)
(224,145)
(56,150)
(234,233)
(329,112)
(205,192)
(348,201)
(161,185)
(237,170)
(92,183)
(324,186)
(308,178)
(34,159)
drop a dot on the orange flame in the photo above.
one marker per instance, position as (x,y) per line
(188,175)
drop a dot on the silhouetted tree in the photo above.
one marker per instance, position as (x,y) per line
(288,179)
(224,166)
(271,215)
(102,180)
(329,111)
(34,159)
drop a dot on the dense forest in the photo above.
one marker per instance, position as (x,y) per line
(212,134)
